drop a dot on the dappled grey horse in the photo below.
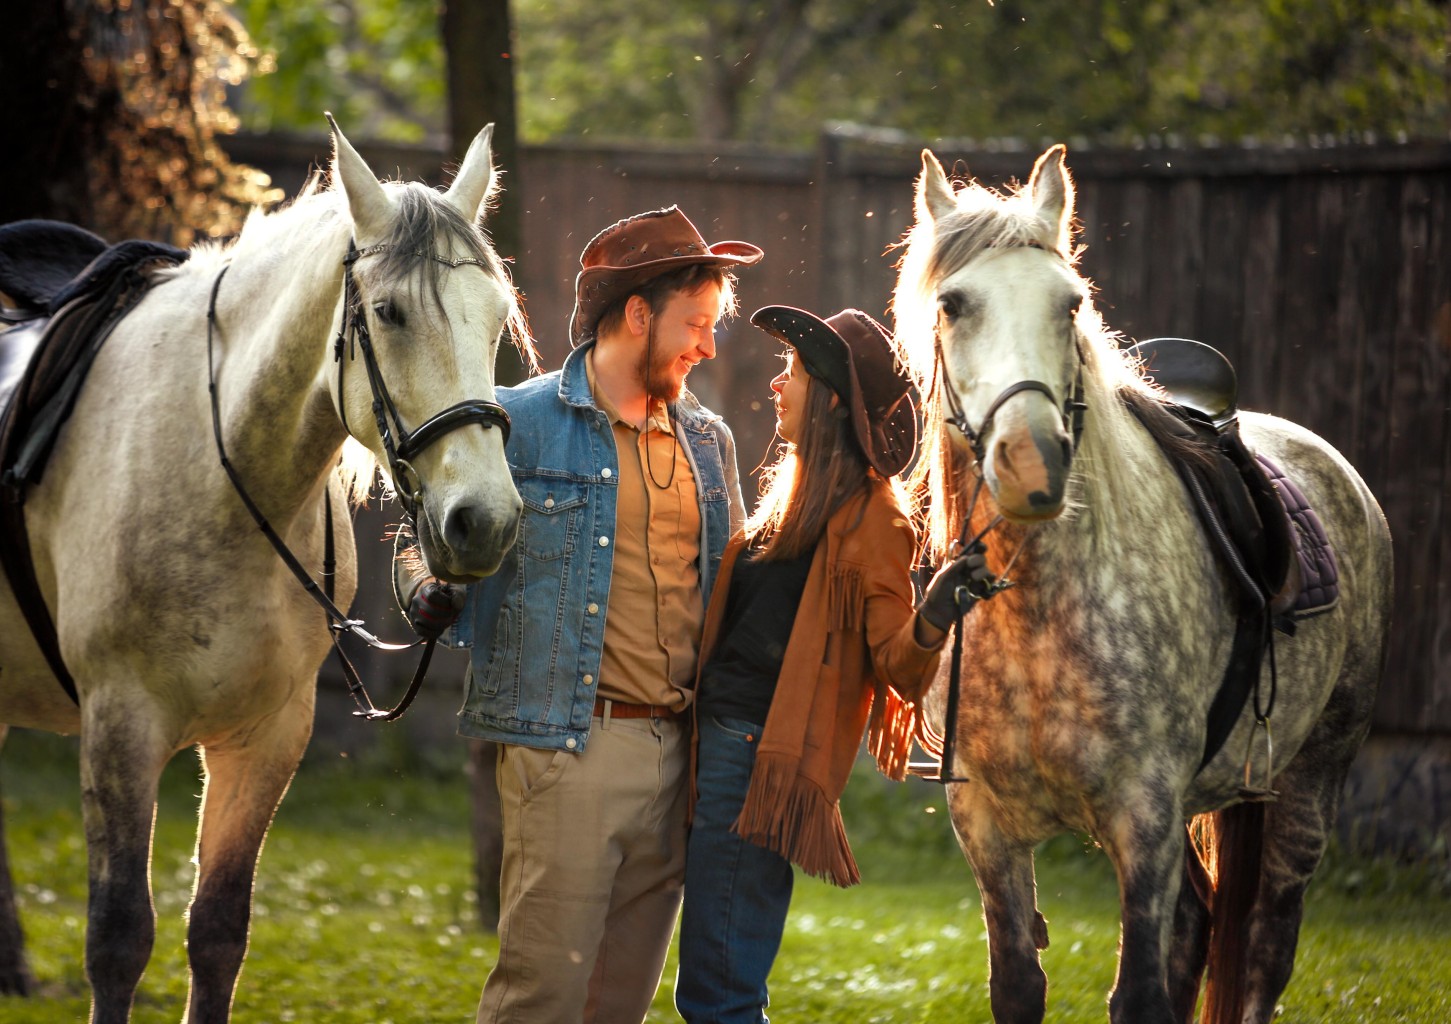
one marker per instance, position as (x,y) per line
(1086,688)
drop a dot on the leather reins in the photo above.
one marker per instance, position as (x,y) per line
(409,444)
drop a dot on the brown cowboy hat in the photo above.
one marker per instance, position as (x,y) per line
(852,354)
(630,252)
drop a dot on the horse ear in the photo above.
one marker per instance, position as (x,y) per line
(935,197)
(367,202)
(1052,192)
(474,184)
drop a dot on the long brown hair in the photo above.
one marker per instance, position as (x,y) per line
(809,480)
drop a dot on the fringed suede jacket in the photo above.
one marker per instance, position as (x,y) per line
(852,659)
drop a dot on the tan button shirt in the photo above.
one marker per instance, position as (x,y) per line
(655,613)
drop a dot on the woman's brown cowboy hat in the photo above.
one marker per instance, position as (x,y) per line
(630,252)
(852,354)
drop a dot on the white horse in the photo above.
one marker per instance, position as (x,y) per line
(1086,688)
(180,624)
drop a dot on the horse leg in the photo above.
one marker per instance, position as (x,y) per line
(245,782)
(122,756)
(1017,986)
(1148,854)
(1297,830)
(15,976)
(1189,946)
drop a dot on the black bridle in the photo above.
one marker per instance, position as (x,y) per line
(1072,408)
(409,444)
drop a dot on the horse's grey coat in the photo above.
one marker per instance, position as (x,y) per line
(1085,688)
(179,622)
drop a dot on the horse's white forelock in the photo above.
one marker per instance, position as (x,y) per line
(933,250)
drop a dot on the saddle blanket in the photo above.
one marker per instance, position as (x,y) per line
(1319,571)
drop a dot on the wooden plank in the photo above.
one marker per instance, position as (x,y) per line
(1417,427)
(1262,280)
(1119,264)
(1363,324)
(1219,311)
(1319,374)
(1438,512)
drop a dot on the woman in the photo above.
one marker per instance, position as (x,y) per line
(810,631)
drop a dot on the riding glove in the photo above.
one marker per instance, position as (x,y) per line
(968,571)
(434,608)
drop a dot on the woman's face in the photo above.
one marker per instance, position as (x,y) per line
(790,388)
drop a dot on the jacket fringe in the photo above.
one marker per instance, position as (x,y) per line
(846,596)
(790,815)
(890,732)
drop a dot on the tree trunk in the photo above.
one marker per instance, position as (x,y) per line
(479,57)
(44,172)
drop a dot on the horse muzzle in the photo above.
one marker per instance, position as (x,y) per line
(1027,465)
(471,541)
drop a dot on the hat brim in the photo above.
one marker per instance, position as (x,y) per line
(888,445)
(823,352)
(604,284)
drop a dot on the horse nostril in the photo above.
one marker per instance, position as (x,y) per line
(462,525)
(1002,460)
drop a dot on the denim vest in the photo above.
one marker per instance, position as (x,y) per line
(537,626)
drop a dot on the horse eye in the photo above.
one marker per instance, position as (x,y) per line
(949,307)
(388,313)
(1074,305)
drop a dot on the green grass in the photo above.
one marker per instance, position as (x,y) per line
(365,915)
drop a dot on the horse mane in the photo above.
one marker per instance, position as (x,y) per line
(942,481)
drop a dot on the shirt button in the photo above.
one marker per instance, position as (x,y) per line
(607,472)
(592,608)
(604,542)
(588,680)
(548,502)
(571,743)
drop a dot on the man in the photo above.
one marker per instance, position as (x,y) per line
(585,641)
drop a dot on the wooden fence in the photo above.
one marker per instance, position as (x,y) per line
(1323,273)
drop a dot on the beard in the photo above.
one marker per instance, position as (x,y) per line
(657,373)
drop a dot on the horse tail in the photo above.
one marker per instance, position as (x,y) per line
(1229,843)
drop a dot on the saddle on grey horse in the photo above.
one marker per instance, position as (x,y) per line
(1260,523)
(66,290)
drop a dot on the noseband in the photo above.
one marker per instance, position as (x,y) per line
(1072,408)
(409,443)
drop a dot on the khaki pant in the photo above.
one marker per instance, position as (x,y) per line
(594,859)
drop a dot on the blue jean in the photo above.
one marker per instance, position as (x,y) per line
(736,893)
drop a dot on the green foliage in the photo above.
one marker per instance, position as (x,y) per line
(364,913)
(376,64)
(1104,70)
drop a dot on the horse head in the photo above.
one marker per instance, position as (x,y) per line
(1000,301)
(426,303)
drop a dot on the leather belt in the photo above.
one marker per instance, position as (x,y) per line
(619,709)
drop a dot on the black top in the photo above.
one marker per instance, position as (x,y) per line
(739,680)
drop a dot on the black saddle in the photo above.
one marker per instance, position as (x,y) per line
(1242,510)
(38,259)
(68,295)
(1196,376)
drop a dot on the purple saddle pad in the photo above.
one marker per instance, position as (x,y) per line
(1319,573)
